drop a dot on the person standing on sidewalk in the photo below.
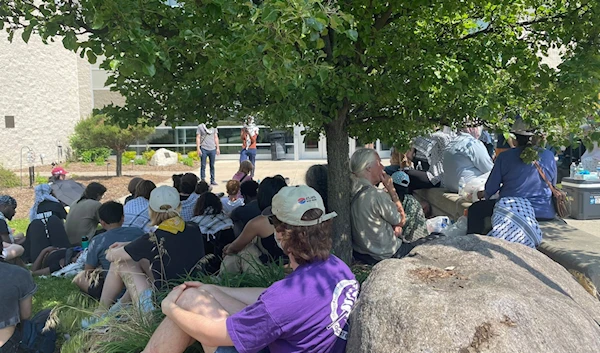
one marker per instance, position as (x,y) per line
(249,135)
(207,145)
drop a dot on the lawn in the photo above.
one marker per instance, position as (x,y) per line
(19,225)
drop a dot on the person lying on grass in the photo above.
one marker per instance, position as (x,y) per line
(305,312)
(52,259)
(171,251)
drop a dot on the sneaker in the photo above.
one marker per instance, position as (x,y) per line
(213,183)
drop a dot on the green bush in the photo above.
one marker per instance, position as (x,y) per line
(128,156)
(179,157)
(194,155)
(147,155)
(94,154)
(99,161)
(8,178)
(140,161)
(187,161)
(40,179)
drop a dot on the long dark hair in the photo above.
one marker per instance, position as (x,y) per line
(93,191)
(208,202)
(268,188)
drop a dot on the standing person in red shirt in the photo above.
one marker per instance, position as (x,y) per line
(249,135)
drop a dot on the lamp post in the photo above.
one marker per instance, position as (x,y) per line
(30,161)
(107,165)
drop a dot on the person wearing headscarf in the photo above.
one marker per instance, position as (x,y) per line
(45,204)
(514,220)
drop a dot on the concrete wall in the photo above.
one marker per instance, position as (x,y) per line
(47,89)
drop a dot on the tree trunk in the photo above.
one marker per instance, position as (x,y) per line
(119,163)
(338,183)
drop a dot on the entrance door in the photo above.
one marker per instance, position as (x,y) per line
(313,147)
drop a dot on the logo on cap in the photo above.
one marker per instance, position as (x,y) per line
(302,200)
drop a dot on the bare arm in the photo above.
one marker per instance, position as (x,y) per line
(245,295)
(11,251)
(198,139)
(208,331)
(217,143)
(25,307)
(117,254)
(256,227)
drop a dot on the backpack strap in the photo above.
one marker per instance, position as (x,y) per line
(363,189)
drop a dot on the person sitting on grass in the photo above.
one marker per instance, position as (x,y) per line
(131,188)
(171,251)
(16,295)
(188,196)
(82,220)
(46,205)
(243,214)
(136,210)
(8,209)
(111,217)
(321,291)
(232,200)
(243,254)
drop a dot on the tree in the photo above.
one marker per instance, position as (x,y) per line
(99,131)
(368,69)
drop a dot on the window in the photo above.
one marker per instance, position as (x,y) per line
(9,121)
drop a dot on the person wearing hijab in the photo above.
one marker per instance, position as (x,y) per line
(45,204)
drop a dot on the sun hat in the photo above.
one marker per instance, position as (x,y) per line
(401,178)
(164,199)
(522,128)
(291,202)
(59,171)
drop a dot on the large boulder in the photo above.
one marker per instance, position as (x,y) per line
(473,294)
(163,157)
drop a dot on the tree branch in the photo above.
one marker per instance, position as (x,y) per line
(383,18)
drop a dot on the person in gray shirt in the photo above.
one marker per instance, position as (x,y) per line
(15,304)
(207,145)
(91,280)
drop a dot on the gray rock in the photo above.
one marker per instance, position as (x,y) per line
(473,294)
(163,157)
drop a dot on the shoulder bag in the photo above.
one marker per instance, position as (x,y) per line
(559,197)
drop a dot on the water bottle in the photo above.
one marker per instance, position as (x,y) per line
(573,170)
(85,242)
(419,166)
(580,168)
(461,186)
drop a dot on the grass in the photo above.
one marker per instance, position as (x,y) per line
(52,292)
(19,225)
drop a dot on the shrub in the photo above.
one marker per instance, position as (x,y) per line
(40,179)
(179,157)
(194,155)
(147,155)
(8,178)
(128,156)
(140,161)
(99,161)
(187,161)
(94,154)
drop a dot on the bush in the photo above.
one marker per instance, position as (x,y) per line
(187,161)
(94,154)
(179,157)
(128,156)
(140,161)
(194,155)
(99,161)
(147,155)
(40,179)
(8,178)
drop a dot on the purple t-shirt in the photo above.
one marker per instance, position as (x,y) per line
(304,312)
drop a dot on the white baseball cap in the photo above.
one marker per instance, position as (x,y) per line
(291,202)
(164,199)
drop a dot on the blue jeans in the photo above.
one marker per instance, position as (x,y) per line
(211,154)
(249,154)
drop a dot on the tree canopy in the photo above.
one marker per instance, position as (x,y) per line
(388,70)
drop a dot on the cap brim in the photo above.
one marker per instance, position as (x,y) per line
(267,212)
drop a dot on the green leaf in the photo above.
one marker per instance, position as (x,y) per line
(267,62)
(352,34)
(70,41)
(320,43)
(114,64)
(91,57)
(27,34)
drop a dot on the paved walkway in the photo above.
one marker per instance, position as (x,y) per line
(295,171)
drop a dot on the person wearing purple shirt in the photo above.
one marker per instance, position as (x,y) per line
(305,312)
(515,178)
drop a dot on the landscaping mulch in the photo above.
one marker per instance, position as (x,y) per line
(116,188)
(78,167)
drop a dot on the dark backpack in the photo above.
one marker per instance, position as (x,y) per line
(33,337)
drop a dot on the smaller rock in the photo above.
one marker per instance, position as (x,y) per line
(163,157)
